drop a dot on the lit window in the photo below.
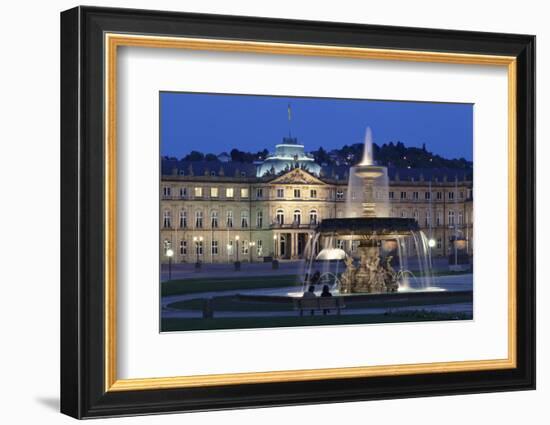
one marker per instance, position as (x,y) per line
(183,219)
(313,193)
(313,217)
(167,245)
(259,248)
(214,219)
(167,220)
(296,193)
(244,247)
(229,192)
(244,218)
(280,193)
(244,192)
(214,249)
(198,219)
(280,217)
(198,192)
(259,218)
(230,247)
(213,192)
(229,218)
(297,217)
(198,247)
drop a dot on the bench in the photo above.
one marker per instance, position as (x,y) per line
(324,304)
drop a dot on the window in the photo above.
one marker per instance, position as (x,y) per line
(230,247)
(198,192)
(339,244)
(391,195)
(244,192)
(183,247)
(313,193)
(403,195)
(183,219)
(439,243)
(259,218)
(244,218)
(244,247)
(229,218)
(438,218)
(280,193)
(339,194)
(259,248)
(470,193)
(214,219)
(428,219)
(167,220)
(183,192)
(297,217)
(259,192)
(313,217)
(466,217)
(229,192)
(212,173)
(451,218)
(403,214)
(427,196)
(280,217)
(451,195)
(214,248)
(198,219)
(460,217)
(415,215)
(297,193)
(167,245)
(439,196)
(166,191)
(352,194)
(415,196)
(213,192)
(461,194)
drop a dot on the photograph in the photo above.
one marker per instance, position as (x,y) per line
(285,211)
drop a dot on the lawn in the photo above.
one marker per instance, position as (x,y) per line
(273,322)
(196,285)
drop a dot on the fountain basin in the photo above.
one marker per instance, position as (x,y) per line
(368,227)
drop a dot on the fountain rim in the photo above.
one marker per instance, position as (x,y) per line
(377,227)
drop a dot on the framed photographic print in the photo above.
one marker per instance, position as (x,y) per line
(261,212)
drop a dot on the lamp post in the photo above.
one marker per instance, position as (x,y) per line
(237,263)
(197,240)
(275,245)
(251,246)
(169,254)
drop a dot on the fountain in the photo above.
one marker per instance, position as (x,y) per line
(376,243)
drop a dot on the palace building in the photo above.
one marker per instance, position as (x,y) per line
(224,211)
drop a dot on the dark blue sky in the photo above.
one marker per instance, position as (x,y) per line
(212,123)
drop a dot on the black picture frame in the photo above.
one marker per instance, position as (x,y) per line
(83,392)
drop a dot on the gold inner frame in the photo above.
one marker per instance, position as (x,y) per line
(113,41)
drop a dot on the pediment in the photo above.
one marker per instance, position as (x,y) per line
(297,176)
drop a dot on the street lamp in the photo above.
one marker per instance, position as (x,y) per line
(169,254)
(275,245)
(197,240)
(237,263)
(431,243)
(251,246)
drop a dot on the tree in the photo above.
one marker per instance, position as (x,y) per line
(194,156)
(210,157)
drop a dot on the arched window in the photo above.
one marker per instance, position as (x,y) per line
(451,220)
(313,217)
(280,217)
(167,219)
(244,218)
(297,217)
(183,219)
(229,218)
(198,219)
(214,219)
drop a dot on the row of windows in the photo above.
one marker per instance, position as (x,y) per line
(245,247)
(453,217)
(229,218)
(199,192)
(415,196)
